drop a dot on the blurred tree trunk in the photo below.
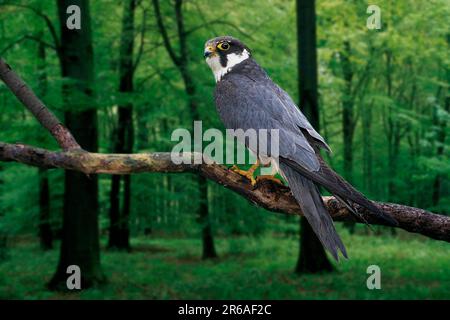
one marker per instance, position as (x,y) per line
(441,125)
(181,61)
(45,230)
(3,246)
(348,121)
(414,147)
(119,232)
(209,250)
(392,132)
(143,137)
(367,148)
(3,235)
(80,234)
(312,258)
(166,183)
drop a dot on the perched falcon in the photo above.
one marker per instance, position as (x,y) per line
(246,98)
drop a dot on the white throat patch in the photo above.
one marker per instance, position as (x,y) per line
(233,59)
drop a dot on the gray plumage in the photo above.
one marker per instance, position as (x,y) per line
(310,201)
(246,98)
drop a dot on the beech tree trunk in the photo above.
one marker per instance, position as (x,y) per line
(312,257)
(80,236)
(119,233)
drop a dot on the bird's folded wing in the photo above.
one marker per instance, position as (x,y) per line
(245,104)
(300,118)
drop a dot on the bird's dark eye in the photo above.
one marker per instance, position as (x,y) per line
(224,46)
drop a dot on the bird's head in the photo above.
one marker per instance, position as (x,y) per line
(223,53)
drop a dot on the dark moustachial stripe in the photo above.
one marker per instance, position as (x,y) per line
(223,60)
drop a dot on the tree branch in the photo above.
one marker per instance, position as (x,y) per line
(12,44)
(219,22)
(180,29)
(47,119)
(23,38)
(46,44)
(265,194)
(163,31)
(142,40)
(40,14)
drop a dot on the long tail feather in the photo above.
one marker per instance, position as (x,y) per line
(308,197)
(334,183)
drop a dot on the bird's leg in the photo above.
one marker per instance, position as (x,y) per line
(270,177)
(247,173)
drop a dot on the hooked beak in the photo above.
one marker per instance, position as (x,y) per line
(209,51)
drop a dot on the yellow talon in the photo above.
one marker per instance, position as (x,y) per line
(247,173)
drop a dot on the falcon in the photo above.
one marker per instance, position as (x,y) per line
(246,98)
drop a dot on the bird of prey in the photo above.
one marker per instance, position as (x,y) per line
(246,98)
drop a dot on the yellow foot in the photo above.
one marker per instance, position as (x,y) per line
(269,177)
(248,174)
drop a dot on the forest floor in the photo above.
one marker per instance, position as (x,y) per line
(248,268)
